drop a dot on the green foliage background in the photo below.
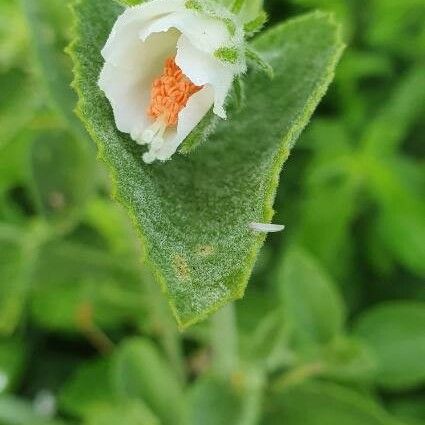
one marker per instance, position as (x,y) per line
(332,327)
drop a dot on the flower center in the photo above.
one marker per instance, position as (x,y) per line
(170,93)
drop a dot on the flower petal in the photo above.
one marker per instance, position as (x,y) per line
(129,91)
(202,68)
(124,34)
(205,33)
(189,117)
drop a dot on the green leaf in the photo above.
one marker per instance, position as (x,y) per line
(395,333)
(259,62)
(132,412)
(256,25)
(14,281)
(74,279)
(12,356)
(44,31)
(88,389)
(249,10)
(62,176)
(318,403)
(313,307)
(410,408)
(23,100)
(192,214)
(267,344)
(405,106)
(348,360)
(214,402)
(14,411)
(140,372)
(200,133)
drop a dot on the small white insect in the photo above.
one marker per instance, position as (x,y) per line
(266,228)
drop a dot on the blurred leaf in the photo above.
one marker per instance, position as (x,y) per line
(77,286)
(53,68)
(267,343)
(313,308)
(14,411)
(14,281)
(131,412)
(214,402)
(348,360)
(395,333)
(192,213)
(11,363)
(401,226)
(409,408)
(62,176)
(141,372)
(342,9)
(88,390)
(319,403)
(14,165)
(331,179)
(13,44)
(397,26)
(21,106)
(385,134)
(110,220)
(250,9)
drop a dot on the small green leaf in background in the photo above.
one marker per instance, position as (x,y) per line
(132,412)
(394,331)
(62,176)
(14,281)
(409,408)
(193,212)
(12,360)
(73,280)
(267,344)
(313,307)
(348,360)
(319,403)
(88,389)
(52,61)
(14,411)
(140,372)
(214,402)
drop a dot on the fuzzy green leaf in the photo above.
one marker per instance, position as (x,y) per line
(192,213)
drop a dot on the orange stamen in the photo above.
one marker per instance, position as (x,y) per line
(170,94)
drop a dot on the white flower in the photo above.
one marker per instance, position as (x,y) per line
(167,63)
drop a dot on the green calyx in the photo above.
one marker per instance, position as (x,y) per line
(227,54)
(194,5)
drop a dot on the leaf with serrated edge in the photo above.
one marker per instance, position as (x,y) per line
(192,213)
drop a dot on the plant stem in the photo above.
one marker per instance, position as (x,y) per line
(298,375)
(224,341)
(170,337)
(253,398)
